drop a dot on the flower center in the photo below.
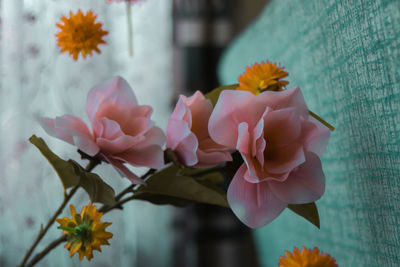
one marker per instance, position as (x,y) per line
(83,231)
(82,34)
(263,85)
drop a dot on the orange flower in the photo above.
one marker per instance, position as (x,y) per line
(263,77)
(85,231)
(80,34)
(307,258)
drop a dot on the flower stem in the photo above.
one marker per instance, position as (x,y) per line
(330,127)
(43,253)
(130,187)
(103,209)
(42,232)
(63,238)
(130,27)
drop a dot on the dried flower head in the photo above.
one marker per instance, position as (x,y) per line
(85,231)
(307,258)
(263,77)
(80,34)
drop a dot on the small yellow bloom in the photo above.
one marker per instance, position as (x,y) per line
(80,34)
(262,77)
(85,232)
(307,258)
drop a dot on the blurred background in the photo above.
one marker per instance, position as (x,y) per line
(343,54)
(177,46)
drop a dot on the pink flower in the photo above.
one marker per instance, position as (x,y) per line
(122,131)
(187,133)
(280,145)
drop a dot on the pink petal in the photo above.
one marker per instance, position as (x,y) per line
(154,136)
(152,157)
(186,150)
(124,171)
(211,159)
(48,125)
(116,90)
(258,133)
(138,126)
(243,140)
(127,120)
(118,145)
(141,111)
(282,127)
(209,145)
(111,129)
(80,133)
(97,128)
(317,140)
(200,109)
(279,100)
(283,159)
(305,185)
(253,169)
(182,111)
(177,130)
(253,204)
(229,111)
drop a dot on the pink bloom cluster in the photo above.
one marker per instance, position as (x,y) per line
(279,143)
(122,131)
(187,133)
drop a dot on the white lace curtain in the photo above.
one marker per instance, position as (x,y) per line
(37,80)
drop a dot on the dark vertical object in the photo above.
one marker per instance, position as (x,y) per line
(202,29)
(206,236)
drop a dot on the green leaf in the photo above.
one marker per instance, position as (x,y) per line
(96,188)
(71,174)
(169,182)
(214,94)
(63,168)
(308,211)
(211,175)
(163,200)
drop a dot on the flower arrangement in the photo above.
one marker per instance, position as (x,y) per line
(253,147)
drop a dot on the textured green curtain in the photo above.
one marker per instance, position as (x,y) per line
(345,56)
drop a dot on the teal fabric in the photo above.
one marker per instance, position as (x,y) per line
(345,56)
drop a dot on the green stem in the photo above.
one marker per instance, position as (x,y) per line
(68,229)
(63,238)
(44,252)
(130,27)
(330,127)
(103,209)
(42,232)
(130,187)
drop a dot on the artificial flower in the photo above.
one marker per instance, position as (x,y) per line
(122,131)
(262,77)
(80,34)
(187,133)
(85,232)
(307,258)
(281,147)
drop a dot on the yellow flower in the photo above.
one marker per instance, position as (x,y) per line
(307,258)
(85,232)
(80,34)
(263,77)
